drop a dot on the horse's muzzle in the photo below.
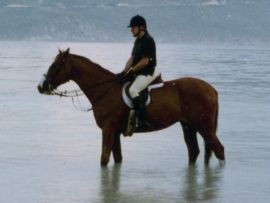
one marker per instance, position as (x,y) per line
(44,86)
(40,89)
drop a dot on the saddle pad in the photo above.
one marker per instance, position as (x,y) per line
(128,101)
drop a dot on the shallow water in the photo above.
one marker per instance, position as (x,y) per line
(49,151)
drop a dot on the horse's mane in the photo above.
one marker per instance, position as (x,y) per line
(82,58)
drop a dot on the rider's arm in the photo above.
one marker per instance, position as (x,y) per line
(141,64)
(128,64)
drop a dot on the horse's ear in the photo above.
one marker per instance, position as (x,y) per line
(60,52)
(66,53)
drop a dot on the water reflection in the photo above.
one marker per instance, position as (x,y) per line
(202,184)
(195,183)
(110,184)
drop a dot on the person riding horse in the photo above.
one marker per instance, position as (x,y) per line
(141,65)
(190,101)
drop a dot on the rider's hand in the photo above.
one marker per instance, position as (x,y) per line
(129,72)
(120,75)
(125,75)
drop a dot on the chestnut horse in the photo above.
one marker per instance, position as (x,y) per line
(190,101)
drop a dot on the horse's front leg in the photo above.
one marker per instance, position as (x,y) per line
(117,154)
(108,138)
(110,142)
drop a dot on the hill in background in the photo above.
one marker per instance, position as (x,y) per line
(189,21)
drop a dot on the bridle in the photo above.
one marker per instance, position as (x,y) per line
(77,92)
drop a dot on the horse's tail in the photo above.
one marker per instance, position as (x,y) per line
(216,116)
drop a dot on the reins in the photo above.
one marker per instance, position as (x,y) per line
(76,93)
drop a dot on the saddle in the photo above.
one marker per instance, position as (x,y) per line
(144,94)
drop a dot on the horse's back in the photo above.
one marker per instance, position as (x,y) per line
(182,95)
(186,90)
(189,86)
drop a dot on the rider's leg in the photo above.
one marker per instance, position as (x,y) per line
(139,84)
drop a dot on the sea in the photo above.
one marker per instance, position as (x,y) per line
(50,147)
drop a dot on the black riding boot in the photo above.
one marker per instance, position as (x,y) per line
(140,107)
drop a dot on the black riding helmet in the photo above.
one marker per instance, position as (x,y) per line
(137,21)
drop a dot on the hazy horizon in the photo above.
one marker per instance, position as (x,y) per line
(193,21)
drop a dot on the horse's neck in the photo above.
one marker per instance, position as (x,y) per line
(90,77)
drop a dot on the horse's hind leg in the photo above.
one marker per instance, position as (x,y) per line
(190,136)
(213,143)
(208,153)
(218,149)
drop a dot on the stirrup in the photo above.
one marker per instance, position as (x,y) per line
(132,122)
(143,124)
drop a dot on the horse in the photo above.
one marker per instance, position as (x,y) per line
(190,101)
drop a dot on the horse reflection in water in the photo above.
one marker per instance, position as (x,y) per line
(201,185)
(193,185)
(190,101)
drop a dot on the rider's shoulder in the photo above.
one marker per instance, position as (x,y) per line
(149,38)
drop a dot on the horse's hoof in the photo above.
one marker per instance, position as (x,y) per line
(221,162)
(104,162)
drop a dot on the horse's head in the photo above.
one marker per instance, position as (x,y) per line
(59,72)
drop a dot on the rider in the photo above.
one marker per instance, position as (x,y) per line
(141,64)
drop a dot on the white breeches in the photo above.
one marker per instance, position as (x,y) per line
(140,83)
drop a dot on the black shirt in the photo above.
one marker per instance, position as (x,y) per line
(145,47)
